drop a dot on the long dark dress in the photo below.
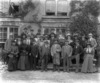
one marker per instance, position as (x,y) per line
(12,61)
(23,63)
(88,62)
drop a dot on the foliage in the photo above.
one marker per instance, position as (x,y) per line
(84,17)
(25,8)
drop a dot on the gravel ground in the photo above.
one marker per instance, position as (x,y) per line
(46,77)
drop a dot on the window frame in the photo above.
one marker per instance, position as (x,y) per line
(46,8)
(63,13)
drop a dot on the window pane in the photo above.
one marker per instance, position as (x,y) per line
(14,30)
(46,31)
(62,7)
(50,7)
(5,29)
(3,34)
(11,29)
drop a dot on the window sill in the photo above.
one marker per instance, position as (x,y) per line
(46,16)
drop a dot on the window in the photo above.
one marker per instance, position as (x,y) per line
(13,9)
(62,7)
(46,31)
(3,34)
(14,31)
(50,7)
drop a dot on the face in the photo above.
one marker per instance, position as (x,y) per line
(90,36)
(77,43)
(83,37)
(13,43)
(24,36)
(32,31)
(66,43)
(52,37)
(55,42)
(24,41)
(69,37)
(19,39)
(88,46)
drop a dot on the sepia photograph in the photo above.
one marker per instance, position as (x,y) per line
(49,41)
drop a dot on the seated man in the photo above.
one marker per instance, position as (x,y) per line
(77,51)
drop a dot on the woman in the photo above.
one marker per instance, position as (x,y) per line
(23,63)
(88,66)
(12,61)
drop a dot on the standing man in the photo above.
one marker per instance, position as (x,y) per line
(7,47)
(66,53)
(13,55)
(24,33)
(45,51)
(34,55)
(77,51)
(8,43)
(55,52)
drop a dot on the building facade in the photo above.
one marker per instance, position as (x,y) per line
(54,15)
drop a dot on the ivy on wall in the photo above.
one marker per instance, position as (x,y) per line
(84,17)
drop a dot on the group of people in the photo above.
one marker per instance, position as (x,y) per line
(37,51)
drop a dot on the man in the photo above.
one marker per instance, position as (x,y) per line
(40,44)
(61,38)
(77,51)
(66,53)
(92,41)
(83,41)
(24,33)
(34,55)
(13,55)
(45,51)
(52,39)
(7,47)
(8,43)
(55,52)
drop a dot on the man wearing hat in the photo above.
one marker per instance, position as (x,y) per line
(8,42)
(66,53)
(34,55)
(45,51)
(68,36)
(7,46)
(13,55)
(55,52)
(92,40)
(24,32)
(77,51)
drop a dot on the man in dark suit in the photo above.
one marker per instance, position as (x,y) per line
(34,55)
(77,51)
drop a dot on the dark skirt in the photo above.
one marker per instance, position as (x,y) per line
(12,64)
(23,63)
